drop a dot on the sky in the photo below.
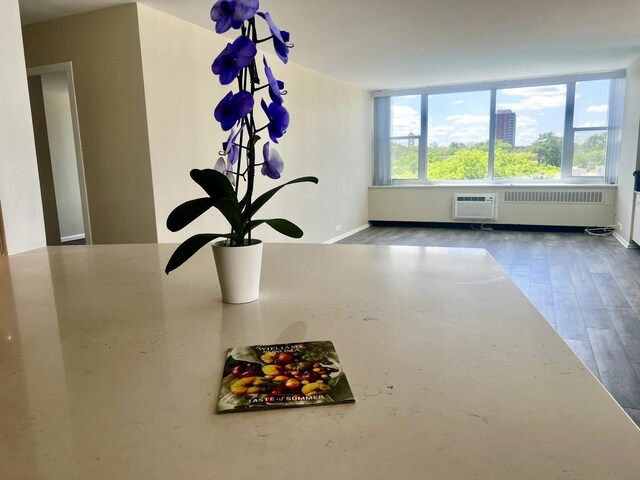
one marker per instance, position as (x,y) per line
(464,117)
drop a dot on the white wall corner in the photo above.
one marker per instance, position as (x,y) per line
(19,185)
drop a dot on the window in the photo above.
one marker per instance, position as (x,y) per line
(458,136)
(525,131)
(589,128)
(531,149)
(404,142)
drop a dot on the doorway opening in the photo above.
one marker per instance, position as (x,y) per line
(59,154)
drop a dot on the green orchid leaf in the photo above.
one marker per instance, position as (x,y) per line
(231,211)
(184,214)
(265,197)
(190,246)
(214,183)
(280,225)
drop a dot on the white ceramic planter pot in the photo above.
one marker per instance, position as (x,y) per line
(238,271)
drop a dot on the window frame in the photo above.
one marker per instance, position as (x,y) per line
(566,175)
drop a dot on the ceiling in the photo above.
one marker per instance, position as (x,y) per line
(385,44)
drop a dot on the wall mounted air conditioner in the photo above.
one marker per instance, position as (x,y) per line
(475,206)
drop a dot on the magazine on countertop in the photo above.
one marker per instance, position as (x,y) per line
(283,375)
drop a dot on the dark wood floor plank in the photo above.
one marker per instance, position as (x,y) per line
(580,274)
(568,317)
(624,276)
(522,281)
(561,280)
(541,296)
(616,371)
(520,268)
(582,349)
(540,272)
(539,251)
(609,290)
(595,315)
(626,322)
(588,294)
(632,347)
(597,264)
(634,413)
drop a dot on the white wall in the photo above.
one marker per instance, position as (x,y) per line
(57,106)
(629,155)
(19,186)
(104,48)
(435,204)
(330,135)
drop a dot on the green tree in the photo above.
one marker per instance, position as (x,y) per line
(404,161)
(590,155)
(464,164)
(520,165)
(502,146)
(548,146)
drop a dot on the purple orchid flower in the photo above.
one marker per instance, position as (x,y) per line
(233,58)
(273,165)
(232,108)
(221,166)
(231,149)
(278,119)
(275,86)
(232,13)
(280,38)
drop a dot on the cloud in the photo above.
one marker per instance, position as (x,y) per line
(457,102)
(440,131)
(544,91)
(534,98)
(404,120)
(445,134)
(537,102)
(525,121)
(598,108)
(591,124)
(526,136)
(468,119)
(471,135)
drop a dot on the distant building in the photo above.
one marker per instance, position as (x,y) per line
(411,141)
(506,126)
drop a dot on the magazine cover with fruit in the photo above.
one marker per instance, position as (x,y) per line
(284,375)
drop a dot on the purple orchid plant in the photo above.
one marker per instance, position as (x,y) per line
(229,185)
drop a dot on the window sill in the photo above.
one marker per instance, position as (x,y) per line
(498,185)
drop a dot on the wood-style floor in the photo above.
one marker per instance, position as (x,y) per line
(586,287)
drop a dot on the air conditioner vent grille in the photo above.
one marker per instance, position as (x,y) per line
(561,196)
(474,206)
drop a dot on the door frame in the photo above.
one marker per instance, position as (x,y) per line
(3,238)
(67,68)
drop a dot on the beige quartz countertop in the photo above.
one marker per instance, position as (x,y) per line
(110,370)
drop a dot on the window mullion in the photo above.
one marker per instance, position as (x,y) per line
(422,146)
(492,133)
(567,143)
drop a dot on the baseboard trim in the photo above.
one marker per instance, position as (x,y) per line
(347,234)
(72,238)
(624,243)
